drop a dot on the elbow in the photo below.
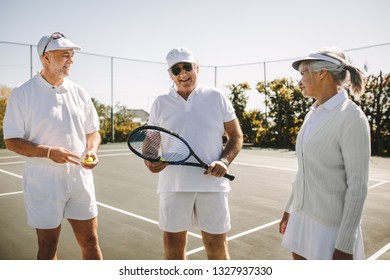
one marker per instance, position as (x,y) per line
(9,144)
(239,139)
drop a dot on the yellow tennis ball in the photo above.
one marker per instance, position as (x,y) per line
(89,159)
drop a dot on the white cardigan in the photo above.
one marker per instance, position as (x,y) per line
(332,178)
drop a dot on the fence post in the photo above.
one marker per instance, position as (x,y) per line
(215,75)
(112,100)
(31,62)
(265,95)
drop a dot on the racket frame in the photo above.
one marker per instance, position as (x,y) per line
(200,163)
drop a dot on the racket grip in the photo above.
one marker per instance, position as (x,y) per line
(229,176)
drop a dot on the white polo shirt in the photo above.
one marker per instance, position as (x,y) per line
(55,116)
(200,121)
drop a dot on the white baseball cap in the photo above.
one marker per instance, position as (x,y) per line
(178,55)
(315,56)
(55,41)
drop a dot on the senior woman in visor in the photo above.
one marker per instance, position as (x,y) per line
(323,213)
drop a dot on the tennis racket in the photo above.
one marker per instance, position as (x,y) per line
(157,144)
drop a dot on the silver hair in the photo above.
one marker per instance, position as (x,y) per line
(345,75)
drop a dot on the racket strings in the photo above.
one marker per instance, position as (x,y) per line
(159,146)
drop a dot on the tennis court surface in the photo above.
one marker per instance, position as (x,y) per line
(128,209)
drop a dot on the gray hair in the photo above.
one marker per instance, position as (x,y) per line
(345,75)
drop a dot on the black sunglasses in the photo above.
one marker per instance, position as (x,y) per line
(54,36)
(176,70)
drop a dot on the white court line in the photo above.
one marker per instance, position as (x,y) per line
(14,162)
(10,173)
(7,157)
(237,236)
(10,193)
(378,184)
(265,166)
(380,252)
(253,230)
(113,150)
(127,213)
(117,154)
(138,217)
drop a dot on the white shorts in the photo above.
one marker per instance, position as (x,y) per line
(181,211)
(58,191)
(314,241)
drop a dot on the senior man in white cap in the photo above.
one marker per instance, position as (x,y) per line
(53,122)
(190,196)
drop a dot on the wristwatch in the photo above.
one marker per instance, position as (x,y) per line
(225,161)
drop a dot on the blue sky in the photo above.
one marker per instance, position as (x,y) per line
(219,32)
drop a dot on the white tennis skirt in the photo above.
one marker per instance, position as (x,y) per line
(314,241)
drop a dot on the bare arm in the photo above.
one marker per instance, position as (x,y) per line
(234,142)
(30,149)
(26,148)
(93,143)
(233,146)
(283,222)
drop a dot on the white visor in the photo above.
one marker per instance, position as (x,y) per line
(315,56)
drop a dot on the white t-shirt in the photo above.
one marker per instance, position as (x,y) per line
(200,121)
(55,116)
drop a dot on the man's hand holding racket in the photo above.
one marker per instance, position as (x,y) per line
(155,167)
(217,168)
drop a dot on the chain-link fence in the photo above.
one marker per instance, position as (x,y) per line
(136,83)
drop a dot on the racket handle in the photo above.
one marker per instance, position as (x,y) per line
(229,176)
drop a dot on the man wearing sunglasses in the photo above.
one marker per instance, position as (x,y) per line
(53,122)
(188,196)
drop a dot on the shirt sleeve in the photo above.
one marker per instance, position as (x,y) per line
(355,148)
(152,120)
(13,125)
(92,123)
(230,113)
